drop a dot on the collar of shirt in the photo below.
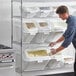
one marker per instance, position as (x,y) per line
(68,19)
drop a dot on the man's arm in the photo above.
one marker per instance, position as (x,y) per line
(59,40)
(54,51)
(68,37)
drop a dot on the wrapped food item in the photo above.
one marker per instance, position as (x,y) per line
(68,60)
(30,25)
(37,53)
(43,24)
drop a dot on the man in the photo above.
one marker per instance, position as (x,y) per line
(69,34)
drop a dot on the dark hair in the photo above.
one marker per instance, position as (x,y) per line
(62,9)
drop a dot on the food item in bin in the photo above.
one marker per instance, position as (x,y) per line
(37,53)
(68,59)
(43,24)
(30,25)
(45,8)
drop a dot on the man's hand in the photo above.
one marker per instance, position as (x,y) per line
(58,41)
(52,44)
(53,51)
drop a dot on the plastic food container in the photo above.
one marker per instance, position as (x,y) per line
(54,64)
(44,11)
(33,66)
(39,38)
(44,27)
(29,12)
(32,9)
(69,60)
(30,29)
(38,54)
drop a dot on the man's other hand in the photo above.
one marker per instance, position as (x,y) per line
(53,51)
(52,44)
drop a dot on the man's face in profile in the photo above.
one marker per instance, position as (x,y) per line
(63,16)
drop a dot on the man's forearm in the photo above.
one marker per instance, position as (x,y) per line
(60,39)
(54,51)
(59,49)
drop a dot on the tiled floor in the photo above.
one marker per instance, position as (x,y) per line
(64,74)
(11,72)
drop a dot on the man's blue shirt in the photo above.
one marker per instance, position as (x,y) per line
(70,33)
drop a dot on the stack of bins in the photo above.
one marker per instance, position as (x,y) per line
(43,31)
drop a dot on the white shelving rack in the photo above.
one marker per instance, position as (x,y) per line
(34,68)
